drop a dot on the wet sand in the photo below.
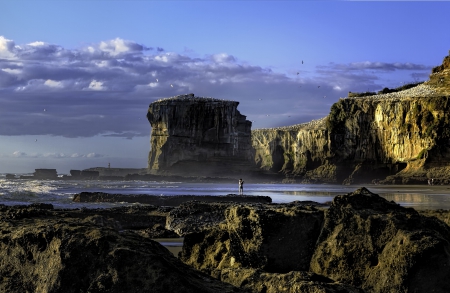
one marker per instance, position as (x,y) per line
(174,245)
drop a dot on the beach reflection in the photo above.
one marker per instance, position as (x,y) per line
(418,197)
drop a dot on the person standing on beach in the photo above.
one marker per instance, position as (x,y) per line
(241,186)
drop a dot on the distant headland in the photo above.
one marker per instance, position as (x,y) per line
(395,136)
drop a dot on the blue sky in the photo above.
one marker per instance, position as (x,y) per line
(76,77)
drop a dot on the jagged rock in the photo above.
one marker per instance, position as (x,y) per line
(403,133)
(195,216)
(293,282)
(276,238)
(45,254)
(379,246)
(199,136)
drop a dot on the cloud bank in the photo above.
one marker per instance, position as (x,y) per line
(105,88)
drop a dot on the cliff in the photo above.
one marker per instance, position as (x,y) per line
(198,136)
(398,137)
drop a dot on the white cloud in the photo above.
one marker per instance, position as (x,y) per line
(96,86)
(53,83)
(12,71)
(36,44)
(18,154)
(108,86)
(6,48)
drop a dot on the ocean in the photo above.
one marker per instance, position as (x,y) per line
(60,193)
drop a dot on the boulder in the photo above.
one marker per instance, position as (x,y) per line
(50,254)
(369,242)
(257,281)
(275,238)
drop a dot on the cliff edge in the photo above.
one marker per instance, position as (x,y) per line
(196,136)
(397,137)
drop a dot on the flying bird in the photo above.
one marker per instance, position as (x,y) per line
(302,61)
(156,80)
(171,85)
(297,73)
(318,86)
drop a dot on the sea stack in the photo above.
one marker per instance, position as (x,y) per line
(196,136)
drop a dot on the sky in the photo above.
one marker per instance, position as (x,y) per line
(76,77)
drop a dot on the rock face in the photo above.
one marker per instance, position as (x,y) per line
(198,136)
(362,243)
(382,247)
(273,238)
(292,282)
(400,137)
(41,253)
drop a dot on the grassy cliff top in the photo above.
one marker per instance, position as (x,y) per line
(189,98)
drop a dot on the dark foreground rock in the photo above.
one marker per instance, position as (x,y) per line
(278,238)
(161,200)
(362,242)
(42,253)
(257,280)
(371,243)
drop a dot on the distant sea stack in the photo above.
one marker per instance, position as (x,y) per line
(196,136)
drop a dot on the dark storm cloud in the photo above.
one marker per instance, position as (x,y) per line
(105,88)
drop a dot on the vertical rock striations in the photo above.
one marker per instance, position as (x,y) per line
(401,137)
(198,136)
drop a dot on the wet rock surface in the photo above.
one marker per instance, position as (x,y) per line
(365,244)
(371,243)
(41,252)
(359,243)
(164,200)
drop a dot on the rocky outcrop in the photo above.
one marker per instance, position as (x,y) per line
(362,243)
(293,282)
(41,253)
(398,137)
(273,238)
(198,136)
(371,243)
(165,200)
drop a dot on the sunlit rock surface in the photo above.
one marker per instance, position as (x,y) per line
(399,137)
(361,243)
(198,136)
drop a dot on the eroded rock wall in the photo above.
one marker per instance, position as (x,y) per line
(398,137)
(362,139)
(198,136)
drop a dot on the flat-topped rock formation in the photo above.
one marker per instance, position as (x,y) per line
(165,200)
(400,136)
(198,136)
